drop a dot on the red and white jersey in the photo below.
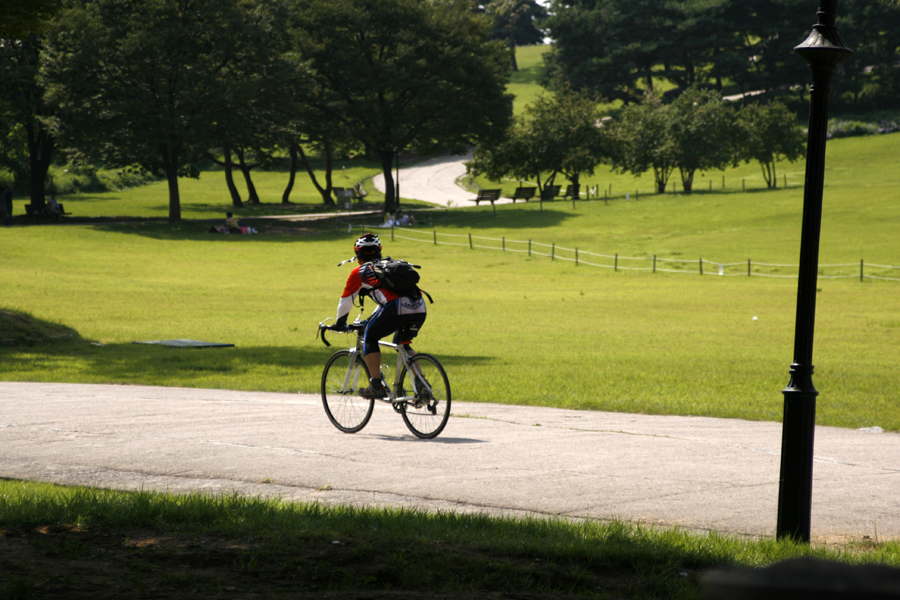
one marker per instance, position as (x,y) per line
(363,277)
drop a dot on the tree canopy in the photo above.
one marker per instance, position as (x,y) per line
(621,48)
(143,83)
(406,74)
(557,134)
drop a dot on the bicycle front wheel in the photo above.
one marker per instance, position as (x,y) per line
(428,414)
(346,409)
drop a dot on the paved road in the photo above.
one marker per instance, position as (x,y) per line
(698,473)
(435,180)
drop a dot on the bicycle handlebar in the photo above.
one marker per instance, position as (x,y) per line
(350,328)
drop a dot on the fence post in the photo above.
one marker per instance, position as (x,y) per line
(701,266)
(553,251)
(743,184)
(785,180)
(576,257)
(654,263)
(392,231)
(710,185)
(529,247)
(504,243)
(616,264)
(748,267)
(723,182)
(861,269)
(470,242)
(435,237)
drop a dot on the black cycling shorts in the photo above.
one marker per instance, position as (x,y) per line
(386,321)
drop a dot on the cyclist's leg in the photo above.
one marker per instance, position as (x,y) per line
(408,330)
(382,323)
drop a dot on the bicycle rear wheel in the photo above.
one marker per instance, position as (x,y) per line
(428,414)
(346,409)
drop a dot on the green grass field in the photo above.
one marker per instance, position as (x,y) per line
(509,328)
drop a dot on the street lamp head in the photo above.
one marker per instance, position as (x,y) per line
(824,47)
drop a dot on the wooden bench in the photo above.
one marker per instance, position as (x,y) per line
(488,195)
(572,192)
(550,192)
(43,212)
(524,193)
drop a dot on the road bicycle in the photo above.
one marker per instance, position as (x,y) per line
(420,391)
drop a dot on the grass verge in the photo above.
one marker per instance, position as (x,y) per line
(79,542)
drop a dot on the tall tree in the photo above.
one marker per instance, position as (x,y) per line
(22,18)
(558,134)
(406,74)
(516,22)
(143,82)
(771,135)
(29,145)
(705,134)
(642,142)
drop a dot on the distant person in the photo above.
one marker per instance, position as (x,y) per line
(6,204)
(232,224)
(404,219)
(54,208)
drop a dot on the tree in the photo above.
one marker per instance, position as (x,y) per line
(144,82)
(641,141)
(29,144)
(616,47)
(771,134)
(22,18)
(406,74)
(558,134)
(515,21)
(704,132)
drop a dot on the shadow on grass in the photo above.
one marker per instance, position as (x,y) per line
(267,368)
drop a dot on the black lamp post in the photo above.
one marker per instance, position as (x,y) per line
(822,50)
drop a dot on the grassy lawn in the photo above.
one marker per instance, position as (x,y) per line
(509,328)
(86,543)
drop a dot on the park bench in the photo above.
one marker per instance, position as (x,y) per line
(488,195)
(343,196)
(572,192)
(524,193)
(43,212)
(550,192)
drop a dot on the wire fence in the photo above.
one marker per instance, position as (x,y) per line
(651,264)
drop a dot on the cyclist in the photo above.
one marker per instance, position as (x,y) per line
(402,315)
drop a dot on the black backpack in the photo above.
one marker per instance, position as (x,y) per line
(396,275)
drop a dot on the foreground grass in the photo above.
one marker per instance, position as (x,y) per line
(70,538)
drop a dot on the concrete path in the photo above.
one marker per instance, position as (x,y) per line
(435,181)
(697,473)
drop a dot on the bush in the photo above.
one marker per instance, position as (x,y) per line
(74,180)
(872,125)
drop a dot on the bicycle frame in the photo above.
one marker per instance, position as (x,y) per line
(424,407)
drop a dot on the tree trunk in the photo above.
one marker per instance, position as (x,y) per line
(229,177)
(387,165)
(40,154)
(252,196)
(324,192)
(687,180)
(170,165)
(286,196)
(574,178)
(512,50)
